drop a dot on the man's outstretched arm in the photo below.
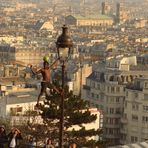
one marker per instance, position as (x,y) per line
(35,72)
(54,63)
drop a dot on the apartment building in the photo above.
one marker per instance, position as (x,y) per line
(77,77)
(29,55)
(135,116)
(105,89)
(23,55)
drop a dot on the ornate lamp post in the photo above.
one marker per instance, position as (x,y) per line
(64,45)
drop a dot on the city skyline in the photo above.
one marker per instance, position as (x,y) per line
(106,50)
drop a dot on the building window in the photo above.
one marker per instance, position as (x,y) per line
(118,111)
(145,108)
(107,88)
(123,137)
(117,99)
(19,109)
(97,96)
(107,99)
(134,117)
(127,93)
(92,95)
(125,104)
(15,110)
(88,93)
(101,98)
(111,110)
(112,89)
(112,99)
(135,106)
(134,139)
(117,120)
(98,86)
(101,107)
(111,131)
(111,121)
(144,119)
(118,89)
(146,84)
(117,131)
(93,84)
(145,96)
(107,110)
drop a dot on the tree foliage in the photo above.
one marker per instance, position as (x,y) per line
(76,113)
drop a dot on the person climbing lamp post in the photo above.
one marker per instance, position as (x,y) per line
(64,45)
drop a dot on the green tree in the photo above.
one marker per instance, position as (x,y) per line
(76,112)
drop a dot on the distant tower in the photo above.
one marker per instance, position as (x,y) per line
(118,13)
(121,14)
(103,8)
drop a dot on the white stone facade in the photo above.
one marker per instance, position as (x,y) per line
(135,116)
(105,89)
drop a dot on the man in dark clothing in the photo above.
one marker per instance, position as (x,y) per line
(3,136)
(13,138)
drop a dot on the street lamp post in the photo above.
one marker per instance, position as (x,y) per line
(64,45)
